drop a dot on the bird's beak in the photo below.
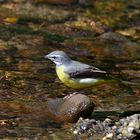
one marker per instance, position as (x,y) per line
(47,56)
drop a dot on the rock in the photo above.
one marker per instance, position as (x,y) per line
(86,26)
(3,1)
(108,46)
(63,2)
(72,108)
(126,128)
(26,13)
(113,37)
(6,49)
(4,45)
(134,75)
(91,127)
(26,44)
(67,30)
(84,2)
(54,111)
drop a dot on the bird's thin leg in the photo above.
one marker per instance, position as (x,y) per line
(70,95)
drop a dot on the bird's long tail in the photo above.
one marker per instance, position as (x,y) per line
(126,83)
(130,83)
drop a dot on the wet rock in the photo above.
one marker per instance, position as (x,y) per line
(63,2)
(108,46)
(126,128)
(2,1)
(6,49)
(91,128)
(3,45)
(134,75)
(130,71)
(27,45)
(81,26)
(113,37)
(131,32)
(68,30)
(70,109)
(53,112)
(26,12)
(83,23)
(84,2)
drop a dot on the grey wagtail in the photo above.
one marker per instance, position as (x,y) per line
(75,74)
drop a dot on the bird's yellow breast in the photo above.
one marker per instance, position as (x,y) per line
(72,82)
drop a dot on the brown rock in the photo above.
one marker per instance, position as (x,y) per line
(5,49)
(63,2)
(71,108)
(108,46)
(27,45)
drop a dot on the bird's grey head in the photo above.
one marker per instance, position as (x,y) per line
(58,57)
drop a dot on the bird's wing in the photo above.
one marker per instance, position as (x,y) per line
(81,70)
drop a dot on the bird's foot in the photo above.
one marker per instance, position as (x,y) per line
(70,95)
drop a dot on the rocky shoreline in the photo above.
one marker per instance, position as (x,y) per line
(127,128)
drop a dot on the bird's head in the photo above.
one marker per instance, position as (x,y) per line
(58,57)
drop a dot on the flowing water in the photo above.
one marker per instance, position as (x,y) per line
(27,80)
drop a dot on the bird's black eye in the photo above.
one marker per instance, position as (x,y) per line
(54,57)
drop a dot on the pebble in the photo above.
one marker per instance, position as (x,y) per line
(125,129)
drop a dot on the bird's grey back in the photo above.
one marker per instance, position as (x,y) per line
(75,66)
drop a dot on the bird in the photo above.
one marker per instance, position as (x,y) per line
(75,74)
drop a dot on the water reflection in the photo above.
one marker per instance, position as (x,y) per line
(27,80)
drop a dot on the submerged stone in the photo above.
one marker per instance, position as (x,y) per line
(27,45)
(63,2)
(108,46)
